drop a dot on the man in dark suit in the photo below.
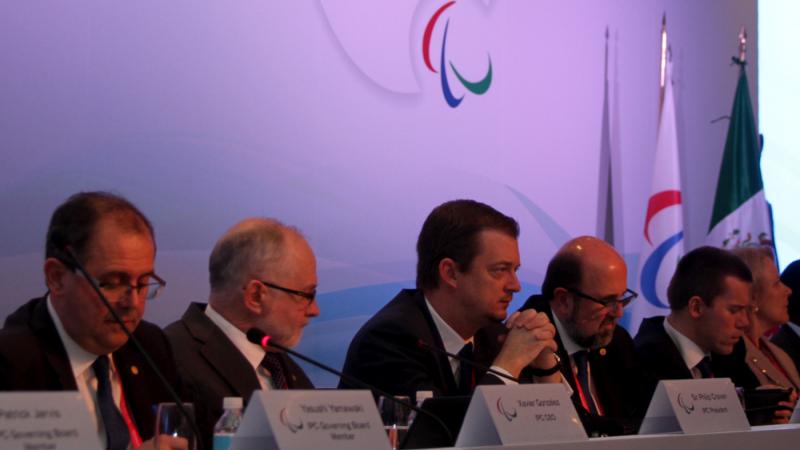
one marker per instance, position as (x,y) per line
(584,292)
(709,297)
(68,340)
(466,276)
(788,335)
(262,275)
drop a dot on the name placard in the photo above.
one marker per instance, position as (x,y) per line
(303,419)
(46,421)
(694,406)
(528,413)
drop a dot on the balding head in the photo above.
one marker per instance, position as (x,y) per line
(586,268)
(581,260)
(246,250)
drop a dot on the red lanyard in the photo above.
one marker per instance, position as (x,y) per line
(136,439)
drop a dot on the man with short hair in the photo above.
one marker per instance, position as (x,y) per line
(262,275)
(68,339)
(584,292)
(466,276)
(709,298)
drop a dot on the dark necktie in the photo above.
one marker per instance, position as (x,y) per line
(117,436)
(272,362)
(581,359)
(704,366)
(466,373)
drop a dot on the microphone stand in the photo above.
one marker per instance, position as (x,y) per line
(73,261)
(257,336)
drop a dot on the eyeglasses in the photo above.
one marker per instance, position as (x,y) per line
(310,296)
(115,290)
(623,301)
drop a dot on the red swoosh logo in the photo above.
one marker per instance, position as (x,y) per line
(426,39)
(658,202)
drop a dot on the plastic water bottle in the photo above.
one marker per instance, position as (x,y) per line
(228,423)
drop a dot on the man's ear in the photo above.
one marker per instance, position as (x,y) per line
(448,272)
(561,303)
(54,273)
(254,297)
(696,307)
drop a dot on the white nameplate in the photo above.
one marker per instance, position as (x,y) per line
(46,421)
(526,413)
(694,406)
(299,419)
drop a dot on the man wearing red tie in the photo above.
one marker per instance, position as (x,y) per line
(68,340)
(584,292)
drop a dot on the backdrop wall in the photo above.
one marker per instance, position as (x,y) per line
(326,115)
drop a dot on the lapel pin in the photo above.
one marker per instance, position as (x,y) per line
(603,351)
(134,370)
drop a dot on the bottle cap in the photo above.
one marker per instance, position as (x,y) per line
(232,403)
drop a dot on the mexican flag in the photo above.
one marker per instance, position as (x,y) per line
(741,215)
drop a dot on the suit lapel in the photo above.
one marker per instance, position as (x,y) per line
(220,352)
(55,353)
(442,361)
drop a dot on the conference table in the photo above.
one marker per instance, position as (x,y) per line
(772,437)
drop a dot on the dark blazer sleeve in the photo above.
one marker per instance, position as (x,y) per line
(387,357)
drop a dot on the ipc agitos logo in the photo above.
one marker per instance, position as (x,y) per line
(293,426)
(509,414)
(477,88)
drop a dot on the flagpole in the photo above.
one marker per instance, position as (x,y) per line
(663,68)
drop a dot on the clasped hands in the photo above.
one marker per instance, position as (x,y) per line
(530,341)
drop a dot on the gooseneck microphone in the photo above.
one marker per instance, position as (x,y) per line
(258,337)
(72,261)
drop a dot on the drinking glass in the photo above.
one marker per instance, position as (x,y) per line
(395,418)
(174,426)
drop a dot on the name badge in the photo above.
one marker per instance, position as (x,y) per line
(528,413)
(694,406)
(46,421)
(303,419)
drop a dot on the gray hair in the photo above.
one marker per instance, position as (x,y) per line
(244,251)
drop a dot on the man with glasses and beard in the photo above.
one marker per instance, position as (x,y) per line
(262,275)
(584,292)
(68,339)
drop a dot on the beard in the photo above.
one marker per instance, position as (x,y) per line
(599,338)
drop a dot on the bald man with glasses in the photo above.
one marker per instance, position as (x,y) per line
(584,293)
(262,275)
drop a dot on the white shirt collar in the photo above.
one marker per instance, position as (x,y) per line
(691,353)
(252,352)
(452,341)
(569,344)
(79,358)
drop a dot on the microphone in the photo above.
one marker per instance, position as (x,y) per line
(424,345)
(73,263)
(258,337)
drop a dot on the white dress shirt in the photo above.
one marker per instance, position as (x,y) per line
(691,353)
(453,343)
(81,363)
(253,353)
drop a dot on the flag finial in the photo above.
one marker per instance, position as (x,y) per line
(742,44)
